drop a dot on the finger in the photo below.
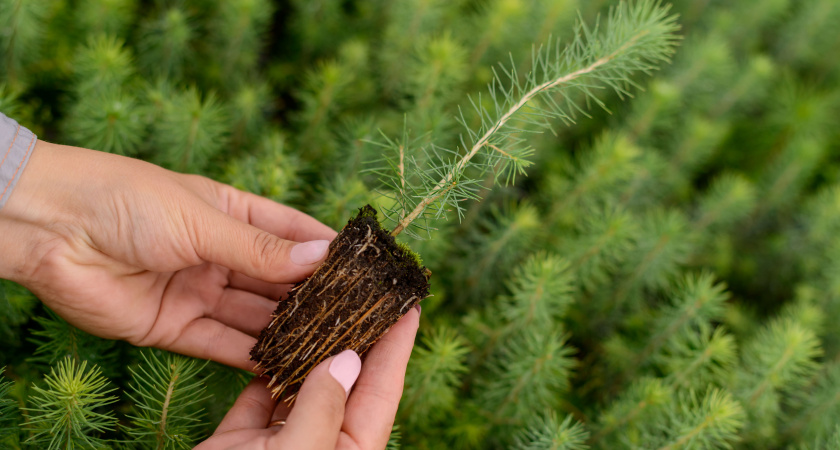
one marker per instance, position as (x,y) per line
(206,338)
(242,310)
(271,291)
(373,405)
(319,408)
(221,239)
(252,409)
(281,412)
(277,219)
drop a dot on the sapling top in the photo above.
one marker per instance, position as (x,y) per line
(636,38)
(368,281)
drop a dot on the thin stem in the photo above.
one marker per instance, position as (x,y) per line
(162,431)
(459,167)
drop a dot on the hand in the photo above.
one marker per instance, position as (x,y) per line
(127,250)
(319,418)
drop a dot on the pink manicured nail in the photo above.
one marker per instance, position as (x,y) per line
(309,252)
(345,369)
(418,308)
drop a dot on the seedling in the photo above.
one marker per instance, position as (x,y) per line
(368,281)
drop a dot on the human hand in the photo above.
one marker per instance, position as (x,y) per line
(127,250)
(320,419)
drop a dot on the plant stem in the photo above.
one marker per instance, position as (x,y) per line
(441,188)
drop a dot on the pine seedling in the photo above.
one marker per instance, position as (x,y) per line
(269,172)
(547,432)
(167,392)
(605,237)
(109,120)
(409,21)
(697,302)
(635,38)
(241,27)
(102,64)
(105,115)
(434,376)
(528,372)
(191,129)
(58,340)
(663,246)
(785,179)
(802,110)
(697,359)
(713,422)
(781,358)
(250,106)
(323,96)
(437,70)
(729,199)
(165,44)
(71,410)
(621,421)
(816,411)
(497,244)
(594,177)
(540,293)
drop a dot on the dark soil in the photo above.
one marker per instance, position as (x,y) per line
(366,284)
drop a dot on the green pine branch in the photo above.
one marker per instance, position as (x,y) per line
(547,432)
(528,372)
(167,392)
(57,340)
(713,422)
(434,376)
(635,38)
(72,409)
(8,408)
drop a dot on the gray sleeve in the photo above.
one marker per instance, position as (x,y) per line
(16,144)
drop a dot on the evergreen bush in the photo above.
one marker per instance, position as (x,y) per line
(665,275)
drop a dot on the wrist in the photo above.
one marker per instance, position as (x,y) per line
(30,211)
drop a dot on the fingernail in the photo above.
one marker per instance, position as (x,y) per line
(418,308)
(309,252)
(345,368)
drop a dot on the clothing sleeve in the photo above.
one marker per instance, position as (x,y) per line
(16,144)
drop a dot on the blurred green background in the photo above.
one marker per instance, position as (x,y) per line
(667,276)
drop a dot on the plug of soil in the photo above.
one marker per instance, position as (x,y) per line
(367,283)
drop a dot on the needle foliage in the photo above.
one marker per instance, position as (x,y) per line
(653,262)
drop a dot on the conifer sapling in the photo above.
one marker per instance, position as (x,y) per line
(368,280)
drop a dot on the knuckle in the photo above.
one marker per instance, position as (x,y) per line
(214,342)
(268,248)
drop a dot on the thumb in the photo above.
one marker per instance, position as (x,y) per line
(316,419)
(223,240)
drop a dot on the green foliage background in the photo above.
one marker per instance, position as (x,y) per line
(667,276)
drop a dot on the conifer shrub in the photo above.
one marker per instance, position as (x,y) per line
(653,262)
